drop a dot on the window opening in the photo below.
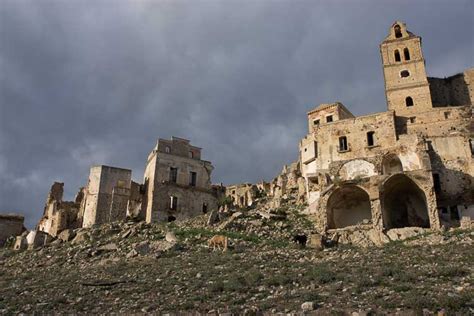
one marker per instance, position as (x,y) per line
(406,53)
(343,143)
(370,139)
(173,175)
(192,178)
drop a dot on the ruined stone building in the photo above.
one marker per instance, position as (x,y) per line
(58,214)
(177,186)
(11,225)
(243,195)
(409,166)
(106,196)
(177,182)
(289,184)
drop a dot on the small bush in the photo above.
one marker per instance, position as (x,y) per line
(277,280)
(451,271)
(321,274)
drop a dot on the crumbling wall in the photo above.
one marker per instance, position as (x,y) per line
(58,214)
(243,195)
(134,205)
(191,202)
(452,91)
(10,225)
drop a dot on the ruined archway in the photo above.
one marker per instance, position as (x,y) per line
(391,164)
(347,206)
(403,203)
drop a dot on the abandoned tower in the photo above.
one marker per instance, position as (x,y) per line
(409,166)
(177,182)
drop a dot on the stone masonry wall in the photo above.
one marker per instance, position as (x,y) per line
(10,225)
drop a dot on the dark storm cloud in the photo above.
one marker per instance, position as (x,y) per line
(97,82)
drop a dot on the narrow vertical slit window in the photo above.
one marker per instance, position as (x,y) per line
(343,146)
(173,203)
(192,178)
(370,139)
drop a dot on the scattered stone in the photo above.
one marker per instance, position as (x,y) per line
(132,253)
(171,237)
(142,248)
(307,306)
(109,247)
(81,236)
(316,241)
(213,218)
(66,235)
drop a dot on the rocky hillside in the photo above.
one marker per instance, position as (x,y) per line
(156,268)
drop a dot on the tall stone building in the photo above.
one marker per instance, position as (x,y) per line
(177,182)
(107,194)
(412,165)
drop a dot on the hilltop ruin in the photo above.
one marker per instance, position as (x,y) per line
(410,166)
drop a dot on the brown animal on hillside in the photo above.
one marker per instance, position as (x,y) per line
(217,241)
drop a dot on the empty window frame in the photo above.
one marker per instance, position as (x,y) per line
(167,149)
(406,54)
(397,55)
(409,101)
(412,119)
(173,203)
(204,208)
(329,118)
(192,178)
(191,154)
(404,73)
(316,122)
(343,146)
(447,114)
(316,149)
(370,139)
(173,175)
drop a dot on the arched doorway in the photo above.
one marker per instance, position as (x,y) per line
(403,203)
(347,206)
(391,164)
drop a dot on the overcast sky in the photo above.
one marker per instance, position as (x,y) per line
(97,82)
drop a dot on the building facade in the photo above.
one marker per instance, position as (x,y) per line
(177,182)
(106,196)
(409,166)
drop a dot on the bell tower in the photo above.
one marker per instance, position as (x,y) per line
(406,85)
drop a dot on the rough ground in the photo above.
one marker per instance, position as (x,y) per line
(130,268)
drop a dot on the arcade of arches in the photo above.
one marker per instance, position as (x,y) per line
(403,204)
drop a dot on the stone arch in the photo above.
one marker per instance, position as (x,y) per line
(391,164)
(357,168)
(348,205)
(403,203)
